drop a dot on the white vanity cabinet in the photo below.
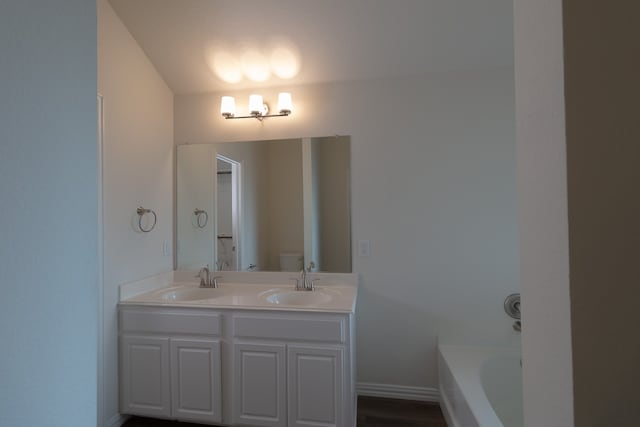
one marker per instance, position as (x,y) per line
(292,370)
(170,364)
(271,368)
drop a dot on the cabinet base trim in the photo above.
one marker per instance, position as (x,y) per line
(392,391)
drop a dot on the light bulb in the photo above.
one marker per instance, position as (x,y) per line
(228,106)
(256,106)
(284,103)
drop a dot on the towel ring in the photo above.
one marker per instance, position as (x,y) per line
(512,306)
(199,213)
(141,211)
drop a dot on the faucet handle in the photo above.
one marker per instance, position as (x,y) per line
(203,282)
(313,284)
(203,274)
(213,281)
(297,280)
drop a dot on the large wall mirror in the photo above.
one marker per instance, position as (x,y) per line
(279,205)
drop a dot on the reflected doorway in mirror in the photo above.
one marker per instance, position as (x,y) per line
(228,224)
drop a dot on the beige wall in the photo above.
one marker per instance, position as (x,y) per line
(442,221)
(138,171)
(602,67)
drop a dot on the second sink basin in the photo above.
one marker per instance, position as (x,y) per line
(299,298)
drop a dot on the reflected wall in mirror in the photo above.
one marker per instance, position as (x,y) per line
(273,205)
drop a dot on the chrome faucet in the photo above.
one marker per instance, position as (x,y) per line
(208,278)
(304,283)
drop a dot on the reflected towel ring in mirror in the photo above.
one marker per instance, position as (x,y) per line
(141,212)
(202,217)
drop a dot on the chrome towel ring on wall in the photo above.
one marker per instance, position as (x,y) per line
(202,217)
(141,212)
(512,308)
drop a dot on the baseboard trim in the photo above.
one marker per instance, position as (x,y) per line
(116,421)
(392,391)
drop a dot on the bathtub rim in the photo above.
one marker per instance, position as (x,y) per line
(468,367)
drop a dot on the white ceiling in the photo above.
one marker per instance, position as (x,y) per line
(198,44)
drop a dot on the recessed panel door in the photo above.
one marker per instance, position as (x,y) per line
(144,382)
(315,381)
(196,392)
(259,397)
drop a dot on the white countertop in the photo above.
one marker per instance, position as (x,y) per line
(334,293)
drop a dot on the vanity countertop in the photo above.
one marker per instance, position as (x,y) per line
(248,291)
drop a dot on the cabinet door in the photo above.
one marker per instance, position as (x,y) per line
(315,376)
(144,380)
(259,396)
(196,392)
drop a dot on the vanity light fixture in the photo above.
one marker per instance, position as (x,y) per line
(257,108)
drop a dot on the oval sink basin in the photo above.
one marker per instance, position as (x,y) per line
(191,294)
(299,298)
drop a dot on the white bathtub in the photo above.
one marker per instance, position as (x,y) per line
(480,386)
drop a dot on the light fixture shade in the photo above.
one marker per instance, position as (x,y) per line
(228,106)
(256,106)
(284,103)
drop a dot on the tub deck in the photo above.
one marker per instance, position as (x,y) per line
(474,391)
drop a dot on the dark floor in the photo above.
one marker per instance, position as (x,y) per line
(380,412)
(372,412)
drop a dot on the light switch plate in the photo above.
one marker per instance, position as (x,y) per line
(364,248)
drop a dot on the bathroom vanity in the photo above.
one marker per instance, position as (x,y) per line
(246,354)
